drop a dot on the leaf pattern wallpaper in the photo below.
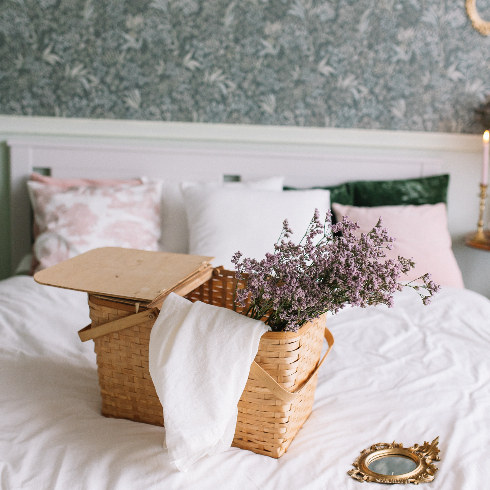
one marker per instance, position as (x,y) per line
(386,64)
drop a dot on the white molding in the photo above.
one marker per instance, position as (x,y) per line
(22,126)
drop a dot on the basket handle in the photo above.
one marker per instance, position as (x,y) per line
(260,374)
(89,333)
(274,387)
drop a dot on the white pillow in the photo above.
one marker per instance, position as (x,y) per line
(175,237)
(224,220)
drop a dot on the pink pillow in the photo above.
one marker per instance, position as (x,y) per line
(421,233)
(36,177)
(72,219)
(44,179)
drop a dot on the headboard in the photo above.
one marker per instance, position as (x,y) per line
(188,151)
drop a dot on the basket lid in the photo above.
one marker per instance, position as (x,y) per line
(138,275)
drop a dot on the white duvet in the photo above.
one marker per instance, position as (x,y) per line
(406,374)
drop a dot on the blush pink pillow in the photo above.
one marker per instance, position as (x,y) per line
(421,233)
(44,179)
(72,219)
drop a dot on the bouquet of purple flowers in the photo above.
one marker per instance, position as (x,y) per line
(299,282)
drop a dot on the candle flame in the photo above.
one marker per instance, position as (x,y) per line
(485,136)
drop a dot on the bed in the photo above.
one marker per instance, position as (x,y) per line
(406,374)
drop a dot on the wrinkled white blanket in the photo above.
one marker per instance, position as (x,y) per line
(200,357)
(406,374)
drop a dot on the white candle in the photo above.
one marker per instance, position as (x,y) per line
(484,170)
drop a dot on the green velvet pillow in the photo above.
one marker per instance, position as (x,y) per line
(424,190)
(343,193)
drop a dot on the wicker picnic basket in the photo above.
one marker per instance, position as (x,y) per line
(278,396)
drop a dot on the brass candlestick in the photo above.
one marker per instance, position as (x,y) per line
(480,239)
(480,234)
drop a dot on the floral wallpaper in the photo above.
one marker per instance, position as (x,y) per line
(386,64)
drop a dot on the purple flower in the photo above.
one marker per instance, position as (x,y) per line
(330,268)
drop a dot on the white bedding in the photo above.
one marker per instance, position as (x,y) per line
(407,374)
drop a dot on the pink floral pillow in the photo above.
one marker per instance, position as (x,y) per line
(421,233)
(44,179)
(72,219)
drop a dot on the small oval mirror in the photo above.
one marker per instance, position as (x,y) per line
(393,465)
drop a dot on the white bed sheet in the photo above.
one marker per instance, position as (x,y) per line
(407,374)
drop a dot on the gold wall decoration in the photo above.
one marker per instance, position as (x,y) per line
(392,463)
(482,26)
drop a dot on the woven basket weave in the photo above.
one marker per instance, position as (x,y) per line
(266,422)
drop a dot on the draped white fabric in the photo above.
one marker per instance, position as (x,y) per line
(200,357)
(407,374)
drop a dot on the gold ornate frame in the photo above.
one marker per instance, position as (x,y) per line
(423,456)
(482,26)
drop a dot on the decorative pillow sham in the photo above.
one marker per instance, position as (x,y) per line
(368,193)
(175,235)
(224,220)
(424,190)
(44,179)
(421,233)
(74,219)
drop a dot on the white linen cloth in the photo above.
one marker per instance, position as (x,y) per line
(200,357)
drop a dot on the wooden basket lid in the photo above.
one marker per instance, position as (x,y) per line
(138,275)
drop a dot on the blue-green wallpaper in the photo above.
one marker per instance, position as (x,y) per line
(386,64)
